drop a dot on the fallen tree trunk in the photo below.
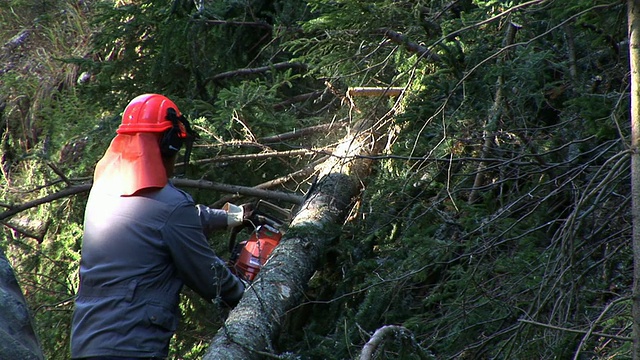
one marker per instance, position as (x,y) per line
(251,327)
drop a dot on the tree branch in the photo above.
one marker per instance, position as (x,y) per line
(306,171)
(199,184)
(575,331)
(235,189)
(494,115)
(71,190)
(298,133)
(401,39)
(296,99)
(258,70)
(259,156)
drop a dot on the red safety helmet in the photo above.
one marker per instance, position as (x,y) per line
(133,161)
(148,113)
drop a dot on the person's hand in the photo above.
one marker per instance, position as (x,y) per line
(239,216)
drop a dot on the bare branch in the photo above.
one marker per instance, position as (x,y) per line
(302,132)
(201,184)
(598,320)
(575,331)
(235,189)
(58,172)
(259,156)
(494,115)
(401,39)
(296,99)
(258,70)
(71,190)
(307,171)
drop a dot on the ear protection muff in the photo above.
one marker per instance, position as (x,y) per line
(173,138)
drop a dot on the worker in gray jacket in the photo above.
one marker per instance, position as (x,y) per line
(143,240)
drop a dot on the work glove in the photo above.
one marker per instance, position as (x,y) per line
(235,215)
(239,216)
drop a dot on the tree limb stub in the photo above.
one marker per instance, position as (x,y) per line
(251,327)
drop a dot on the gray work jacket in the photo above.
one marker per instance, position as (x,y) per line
(137,253)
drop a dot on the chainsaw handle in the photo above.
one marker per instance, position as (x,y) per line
(258,220)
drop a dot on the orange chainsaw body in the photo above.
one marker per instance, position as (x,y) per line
(255,251)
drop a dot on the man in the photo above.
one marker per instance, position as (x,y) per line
(143,239)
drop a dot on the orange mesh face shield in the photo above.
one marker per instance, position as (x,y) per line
(133,160)
(131,163)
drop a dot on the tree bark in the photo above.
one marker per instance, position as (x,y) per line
(251,327)
(17,337)
(633,18)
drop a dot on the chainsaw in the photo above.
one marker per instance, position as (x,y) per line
(266,226)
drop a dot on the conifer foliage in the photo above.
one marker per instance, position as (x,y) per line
(495,221)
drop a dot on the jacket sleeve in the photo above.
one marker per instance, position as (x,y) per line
(197,264)
(211,219)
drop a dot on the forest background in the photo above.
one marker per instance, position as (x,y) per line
(495,222)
